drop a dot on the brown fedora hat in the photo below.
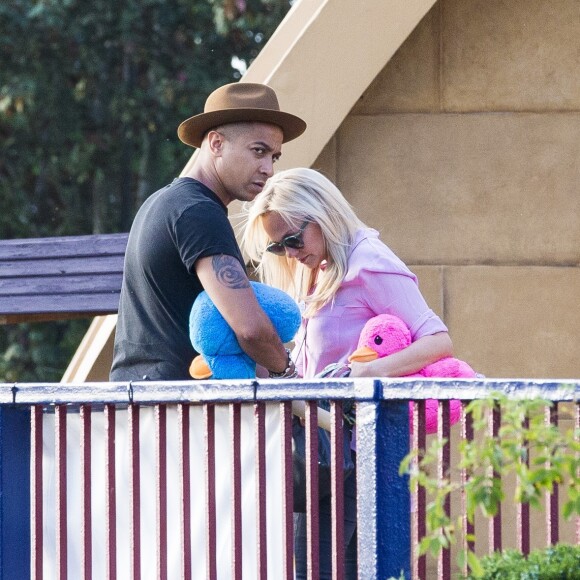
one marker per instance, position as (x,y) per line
(239,102)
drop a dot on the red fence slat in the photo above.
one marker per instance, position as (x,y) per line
(312,511)
(87,526)
(468,527)
(418,495)
(185,512)
(262,539)
(61,507)
(287,491)
(111,494)
(135,483)
(337,496)
(161,440)
(552,499)
(235,423)
(209,415)
(443,432)
(577,438)
(523,512)
(495,539)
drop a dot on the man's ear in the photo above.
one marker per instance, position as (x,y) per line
(215,141)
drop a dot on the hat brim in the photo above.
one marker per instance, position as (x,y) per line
(193,130)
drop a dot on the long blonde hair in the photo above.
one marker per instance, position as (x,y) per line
(299,195)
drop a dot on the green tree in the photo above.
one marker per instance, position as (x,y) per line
(91,94)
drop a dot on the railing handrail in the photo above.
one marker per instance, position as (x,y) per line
(264,390)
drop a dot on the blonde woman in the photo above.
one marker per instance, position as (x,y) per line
(308,241)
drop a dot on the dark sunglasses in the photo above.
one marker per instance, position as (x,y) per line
(293,241)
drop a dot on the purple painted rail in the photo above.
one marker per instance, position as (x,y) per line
(389,528)
(60,277)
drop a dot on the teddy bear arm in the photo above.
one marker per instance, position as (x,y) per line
(235,366)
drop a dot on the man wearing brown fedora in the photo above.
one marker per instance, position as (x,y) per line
(181,241)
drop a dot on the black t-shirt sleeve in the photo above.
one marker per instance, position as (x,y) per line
(204,230)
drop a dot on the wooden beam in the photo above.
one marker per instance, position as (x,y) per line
(61,277)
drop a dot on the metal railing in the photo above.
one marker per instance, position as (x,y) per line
(111,476)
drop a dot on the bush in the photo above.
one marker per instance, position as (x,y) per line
(561,562)
(527,446)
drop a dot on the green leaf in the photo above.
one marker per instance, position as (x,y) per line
(474,565)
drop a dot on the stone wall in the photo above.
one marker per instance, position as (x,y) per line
(465,154)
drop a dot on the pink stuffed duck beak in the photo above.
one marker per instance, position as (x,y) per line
(381,336)
(363,354)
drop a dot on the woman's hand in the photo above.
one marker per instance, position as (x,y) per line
(363,369)
(410,360)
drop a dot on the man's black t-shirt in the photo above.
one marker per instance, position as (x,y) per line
(175,227)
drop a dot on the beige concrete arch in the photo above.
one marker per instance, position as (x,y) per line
(324,55)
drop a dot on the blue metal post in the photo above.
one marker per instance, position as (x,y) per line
(384,506)
(14,493)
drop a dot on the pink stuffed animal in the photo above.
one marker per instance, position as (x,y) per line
(386,334)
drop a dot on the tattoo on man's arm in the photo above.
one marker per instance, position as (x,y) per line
(229,272)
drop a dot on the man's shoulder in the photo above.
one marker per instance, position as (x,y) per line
(182,195)
(191,189)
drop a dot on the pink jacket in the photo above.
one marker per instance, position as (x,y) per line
(377,282)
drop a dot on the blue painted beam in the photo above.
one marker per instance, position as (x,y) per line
(384,523)
(14,493)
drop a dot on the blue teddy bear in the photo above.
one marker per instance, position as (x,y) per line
(213,338)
